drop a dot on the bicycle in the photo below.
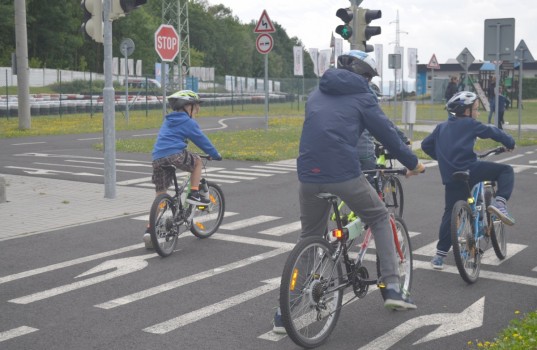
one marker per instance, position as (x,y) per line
(472,225)
(389,189)
(392,189)
(313,280)
(170,216)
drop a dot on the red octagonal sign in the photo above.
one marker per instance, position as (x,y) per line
(166,42)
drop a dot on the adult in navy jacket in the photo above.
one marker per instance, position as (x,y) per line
(336,115)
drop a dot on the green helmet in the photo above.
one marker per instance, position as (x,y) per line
(182,98)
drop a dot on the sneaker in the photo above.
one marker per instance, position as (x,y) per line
(277,323)
(437,263)
(499,208)
(147,239)
(395,300)
(195,198)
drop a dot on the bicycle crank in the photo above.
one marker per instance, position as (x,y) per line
(360,283)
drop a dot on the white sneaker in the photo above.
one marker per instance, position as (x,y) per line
(147,241)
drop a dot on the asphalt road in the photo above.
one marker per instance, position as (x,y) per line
(94,286)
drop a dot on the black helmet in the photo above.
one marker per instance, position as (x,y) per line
(460,102)
(358,62)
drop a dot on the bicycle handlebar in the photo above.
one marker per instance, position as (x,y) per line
(496,150)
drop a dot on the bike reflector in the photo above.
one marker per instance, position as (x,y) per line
(293,279)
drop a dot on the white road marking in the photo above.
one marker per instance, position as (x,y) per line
(26,143)
(127,299)
(53,267)
(248,222)
(197,315)
(16,332)
(272,168)
(263,171)
(243,173)
(37,171)
(283,229)
(227,214)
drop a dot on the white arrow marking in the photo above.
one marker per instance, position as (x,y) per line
(16,332)
(190,279)
(34,171)
(194,316)
(449,323)
(121,267)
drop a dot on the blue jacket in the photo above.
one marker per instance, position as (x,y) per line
(452,144)
(336,115)
(174,134)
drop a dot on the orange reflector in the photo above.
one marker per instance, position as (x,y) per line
(211,197)
(162,205)
(337,233)
(293,280)
(200,225)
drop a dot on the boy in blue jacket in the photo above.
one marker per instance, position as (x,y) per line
(170,147)
(452,145)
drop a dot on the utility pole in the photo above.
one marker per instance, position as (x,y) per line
(175,14)
(23,82)
(397,51)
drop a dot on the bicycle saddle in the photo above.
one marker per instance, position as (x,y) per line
(461,175)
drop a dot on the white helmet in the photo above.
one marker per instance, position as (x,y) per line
(460,102)
(358,62)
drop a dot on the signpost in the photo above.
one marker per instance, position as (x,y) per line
(167,47)
(499,45)
(127,48)
(264,44)
(522,54)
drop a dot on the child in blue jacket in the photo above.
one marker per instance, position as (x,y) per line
(452,145)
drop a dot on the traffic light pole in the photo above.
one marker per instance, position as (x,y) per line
(109,127)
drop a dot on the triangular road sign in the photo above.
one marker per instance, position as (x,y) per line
(264,25)
(433,63)
(523,53)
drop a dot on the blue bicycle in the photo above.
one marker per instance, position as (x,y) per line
(472,227)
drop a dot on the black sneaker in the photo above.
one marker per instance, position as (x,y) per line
(277,323)
(395,300)
(195,198)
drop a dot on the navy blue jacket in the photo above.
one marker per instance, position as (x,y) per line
(174,134)
(452,144)
(336,115)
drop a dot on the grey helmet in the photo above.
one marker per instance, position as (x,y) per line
(358,62)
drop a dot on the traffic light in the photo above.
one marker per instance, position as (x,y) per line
(92,27)
(345,30)
(121,8)
(364,31)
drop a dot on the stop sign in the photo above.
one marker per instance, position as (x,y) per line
(167,42)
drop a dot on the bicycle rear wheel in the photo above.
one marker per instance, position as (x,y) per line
(309,301)
(161,224)
(496,227)
(403,251)
(207,218)
(467,257)
(392,192)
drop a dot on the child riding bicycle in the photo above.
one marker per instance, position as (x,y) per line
(170,147)
(452,145)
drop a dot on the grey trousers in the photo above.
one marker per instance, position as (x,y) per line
(365,202)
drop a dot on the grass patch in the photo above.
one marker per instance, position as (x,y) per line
(520,335)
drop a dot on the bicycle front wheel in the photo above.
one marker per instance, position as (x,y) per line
(207,218)
(403,251)
(467,257)
(310,300)
(161,224)
(392,192)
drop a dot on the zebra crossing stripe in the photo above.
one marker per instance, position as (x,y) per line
(263,171)
(243,173)
(218,175)
(283,229)
(16,332)
(248,222)
(227,214)
(272,167)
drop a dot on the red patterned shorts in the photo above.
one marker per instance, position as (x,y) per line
(162,178)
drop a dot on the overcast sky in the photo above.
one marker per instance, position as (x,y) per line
(443,28)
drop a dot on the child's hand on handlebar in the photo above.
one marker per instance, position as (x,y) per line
(420,168)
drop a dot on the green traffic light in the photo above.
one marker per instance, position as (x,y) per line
(345,31)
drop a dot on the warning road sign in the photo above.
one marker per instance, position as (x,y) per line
(433,63)
(264,25)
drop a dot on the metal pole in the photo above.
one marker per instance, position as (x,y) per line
(21,42)
(126,87)
(520,91)
(432,89)
(163,79)
(497,75)
(109,109)
(7,97)
(266,91)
